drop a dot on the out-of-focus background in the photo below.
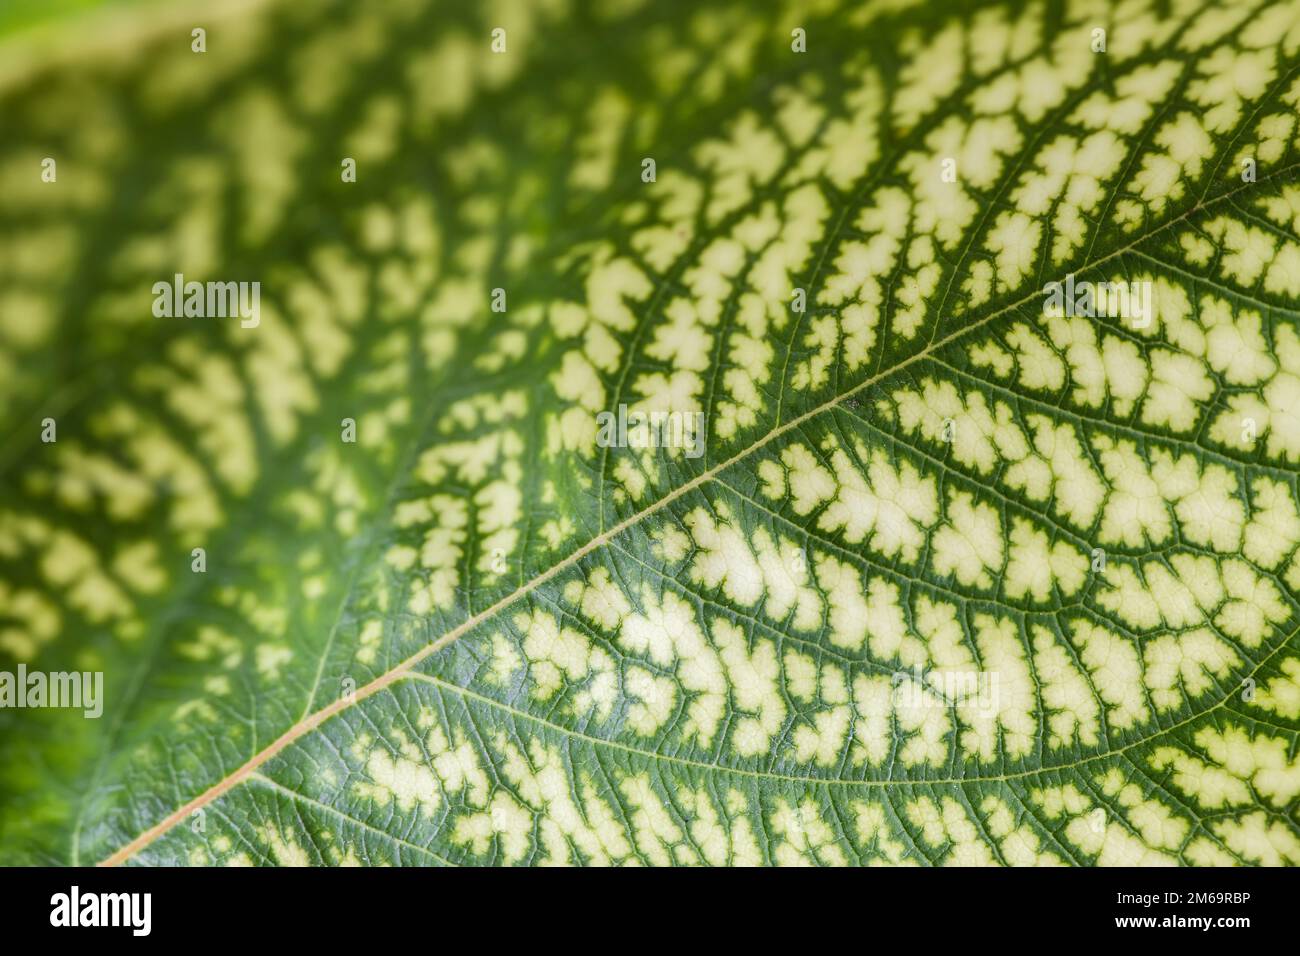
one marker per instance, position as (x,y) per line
(19,14)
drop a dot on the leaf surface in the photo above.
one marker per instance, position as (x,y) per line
(953,577)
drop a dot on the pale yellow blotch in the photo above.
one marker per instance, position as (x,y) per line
(1036,568)
(921,713)
(723,557)
(270,660)
(875,833)
(850,144)
(679,199)
(670,543)
(786,582)
(1211,513)
(1135,509)
(800,675)
(1126,372)
(1191,660)
(440,555)
(1196,248)
(890,507)
(1284,208)
(938,625)
(1019,844)
(505,820)
(1227,79)
(970,544)
(34,621)
(1009,708)
(721,843)
(667,632)
(971,432)
(1126,595)
(1112,662)
(946,823)
(809,481)
(1281,694)
(748,158)
(753,675)
(562,657)
(1157,825)
(1259,839)
(656,833)
(1180,386)
(1059,468)
(415,782)
(557,531)
(846,600)
(887,627)
(631,478)
(872,730)
(1236,347)
(823,738)
(505,661)
(73,567)
(802,836)
(138,565)
(685,339)
(573,821)
(1262,760)
(213,644)
(1078,337)
(945,210)
(601,601)
(1069,176)
(282,847)
(1137,93)
(1211,787)
(597,147)
(1014,241)
(992,356)
(1254,607)
(1278,414)
(1273,532)
(1065,800)
(858,287)
(1248,252)
(1114,845)
(1184,147)
(1073,711)
(1177,604)
(82,480)
(774,570)
(654,699)
(933,69)
(798,112)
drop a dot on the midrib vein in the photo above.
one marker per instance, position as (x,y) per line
(399,671)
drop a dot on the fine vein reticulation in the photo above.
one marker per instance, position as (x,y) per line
(958,575)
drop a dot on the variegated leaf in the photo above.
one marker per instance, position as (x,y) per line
(964,566)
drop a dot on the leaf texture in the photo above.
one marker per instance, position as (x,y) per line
(954,577)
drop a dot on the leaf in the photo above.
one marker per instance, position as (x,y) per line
(969,567)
